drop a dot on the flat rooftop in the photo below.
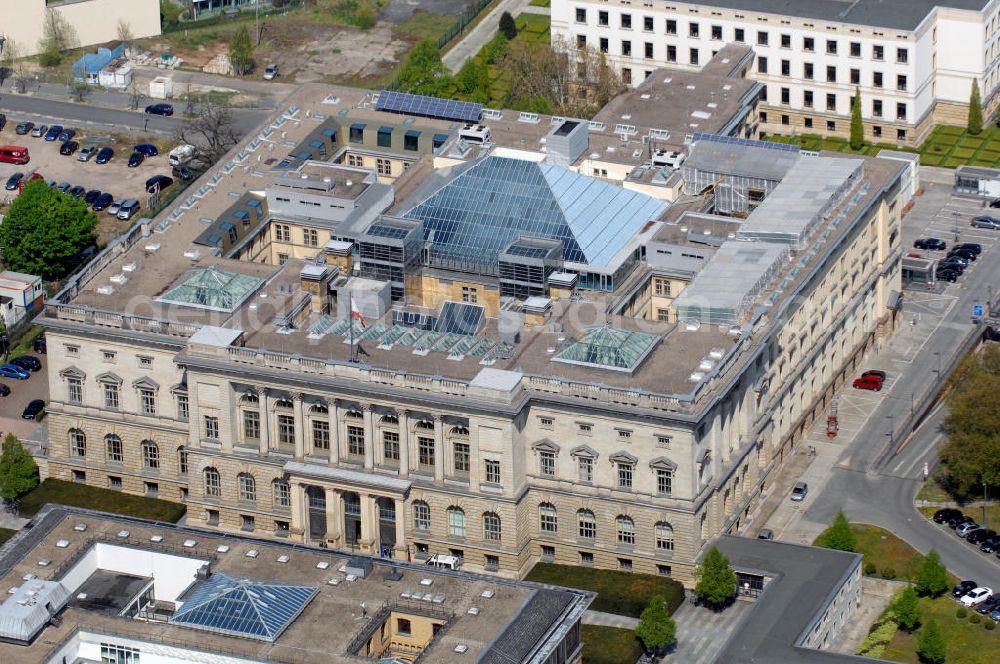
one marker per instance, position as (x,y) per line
(502,624)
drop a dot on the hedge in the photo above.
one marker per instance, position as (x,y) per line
(622,593)
(96,498)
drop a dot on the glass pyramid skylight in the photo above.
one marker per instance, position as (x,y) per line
(609,348)
(212,288)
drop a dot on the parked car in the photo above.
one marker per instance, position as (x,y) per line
(23,128)
(13,181)
(875,372)
(976,596)
(102,202)
(161,181)
(182,172)
(991,223)
(104,155)
(966,254)
(135,159)
(966,528)
(86,153)
(114,207)
(932,243)
(765,534)
(38,345)
(64,186)
(68,148)
(67,134)
(147,149)
(963,587)
(160,109)
(979,535)
(128,209)
(868,383)
(4,390)
(946,513)
(995,203)
(991,603)
(27,362)
(947,274)
(14,371)
(995,614)
(971,246)
(39,131)
(954,262)
(990,544)
(957,521)
(77,192)
(53,133)
(270,72)
(799,491)
(31,411)
(91,196)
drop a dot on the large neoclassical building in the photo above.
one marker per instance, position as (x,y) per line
(386,330)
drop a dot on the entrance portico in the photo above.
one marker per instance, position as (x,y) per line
(347,508)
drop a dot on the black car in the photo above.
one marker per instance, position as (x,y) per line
(27,362)
(104,155)
(77,192)
(874,372)
(946,513)
(953,263)
(13,181)
(160,109)
(946,274)
(158,181)
(992,602)
(979,535)
(182,172)
(38,345)
(930,243)
(135,159)
(995,203)
(963,587)
(23,128)
(102,202)
(4,390)
(91,196)
(956,521)
(974,247)
(990,544)
(967,254)
(68,148)
(32,410)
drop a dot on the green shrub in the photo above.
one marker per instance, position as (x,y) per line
(961,612)
(623,593)
(990,625)
(931,160)
(888,572)
(975,618)
(952,162)
(949,130)
(96,498)
(869,568)
(963,153)
(878,638)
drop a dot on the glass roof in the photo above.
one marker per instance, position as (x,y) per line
(609,348)
(212,288)
(243,607)
(479,212)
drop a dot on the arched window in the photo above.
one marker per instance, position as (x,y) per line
(547,518)
(704,527)
(249,399)
(248,487)
(460,431)
(114,446)
(319,409)
(421,515)
(282,494)
(77,443)
(389,420)
(283,403)
(664,533)
(150,455)
(626,529)
(426,425)
(182,461)
(586,524)
(491,527)
(456,522)
(213,483)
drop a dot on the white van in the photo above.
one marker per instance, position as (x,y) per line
(444,562)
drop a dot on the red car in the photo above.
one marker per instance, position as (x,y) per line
(869,382)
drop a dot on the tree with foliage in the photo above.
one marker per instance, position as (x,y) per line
(365,17)
(975,125)
(841,536)
(656,629)
(170,13)
(125,34)
(507,26)
(971,456)
(18,471)
(423,73)
(857,126)
(496,49)
(78,90)
(241,52)
(931,646)
(473,81)
(716,579)
(906,610)
(58,36)
(932,578)
(45,230)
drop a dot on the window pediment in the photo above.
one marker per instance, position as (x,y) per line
(109,377)
(146,383)
(545,445)
(662,463)
(624,457)
(72,372)
(585,451)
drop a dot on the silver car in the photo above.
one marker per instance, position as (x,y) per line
(966,528)
(986,222)
(87,153)
(271,72)
(799,491)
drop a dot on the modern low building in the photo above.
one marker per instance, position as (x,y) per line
(91,21)
(466,355)
(912,61)
(20,295)
(91,587)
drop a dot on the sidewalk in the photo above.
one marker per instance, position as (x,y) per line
(609,620)
(473,41)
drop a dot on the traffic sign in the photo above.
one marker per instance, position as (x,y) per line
(977,310)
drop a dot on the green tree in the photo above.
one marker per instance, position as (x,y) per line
(971,455)
(423,72)
(931,646)
(507,26)
(470,76)
(975,125)
(656,629)
(906,609)
(365,17)
(932,578)
(716,579)
(58,35)
(241,52)
(18,471)
(857,126)
(496,49)
(841,536)
(44,230)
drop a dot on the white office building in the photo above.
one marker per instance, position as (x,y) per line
(912,60)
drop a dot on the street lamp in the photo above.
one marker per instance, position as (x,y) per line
(937,354)
(955,216)
(891,432)
(984,506)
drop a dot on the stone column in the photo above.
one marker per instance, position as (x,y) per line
(438,448)
(300,523)
(404,443)
(369,415)
(229,429)
(369,522)
(264,444)
(300,433)
(400,550)
(334,517)
(333,409)
(194,414)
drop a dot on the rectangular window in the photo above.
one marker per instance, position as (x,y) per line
(877,79)
(900,111)
(624,476)
(183,408)
(807,98)
(902,56)
(878,53)
(581,15)
(586,559)
(355,441)
(247,523)
(877,108)
(211,427)
(807,123)
(80,477)
(425,451)
(547,464)
(664,482)
(411,140)
(739,35)
(152,489)
(491,563)
(470,294)
(461,451)
(717,32)
(109,355)
(831,102)
(74,390)
(807,71)
(693,30)
(831,74)
(625,564)
(286,430)
(604,44)
(602,18)
(251,425)
(147,401)
(900,135)
(786,96)
(114,483)
(855,77)
(661,287)
(321,434)
(761,38)
(72,350)
(585,465)
(786,41)
(831,47)
(492,471)
(648,46)
(626,21)
(664,570)
(310,237)
(647,23)
(282,495)
(901,82)
(808,44)
(390,445)
(111,396)
(115,452)
(855,49)
(831,125)
(671,53)
(357,133)
(761,64)
(581,43)
(786,67)
(663,315)
(694,56)
(671,26)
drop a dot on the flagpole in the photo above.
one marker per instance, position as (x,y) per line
(350,319)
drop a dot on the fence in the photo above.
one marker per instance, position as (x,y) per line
(467,17)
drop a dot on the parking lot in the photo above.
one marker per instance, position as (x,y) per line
(113,177)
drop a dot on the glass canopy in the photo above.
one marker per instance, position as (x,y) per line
(212,288)
(609,348)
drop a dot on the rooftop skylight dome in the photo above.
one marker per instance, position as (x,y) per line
(212,288)
(609,348)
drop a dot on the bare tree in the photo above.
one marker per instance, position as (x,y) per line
(79,90)
(58,36)
(211,130)
(125,34)
(135,94)
(12,65)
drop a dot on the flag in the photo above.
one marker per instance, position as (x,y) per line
(356,313)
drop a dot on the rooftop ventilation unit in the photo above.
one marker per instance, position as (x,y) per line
(475,133)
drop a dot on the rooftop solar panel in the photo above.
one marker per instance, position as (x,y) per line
(733,140)
(459,318)
(430,107)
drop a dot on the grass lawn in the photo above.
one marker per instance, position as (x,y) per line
(885,554)
(106,500)
(540,3)
(424,25)
(967,643)
(623,593)
(609,645)
(6,534)
(23,347)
